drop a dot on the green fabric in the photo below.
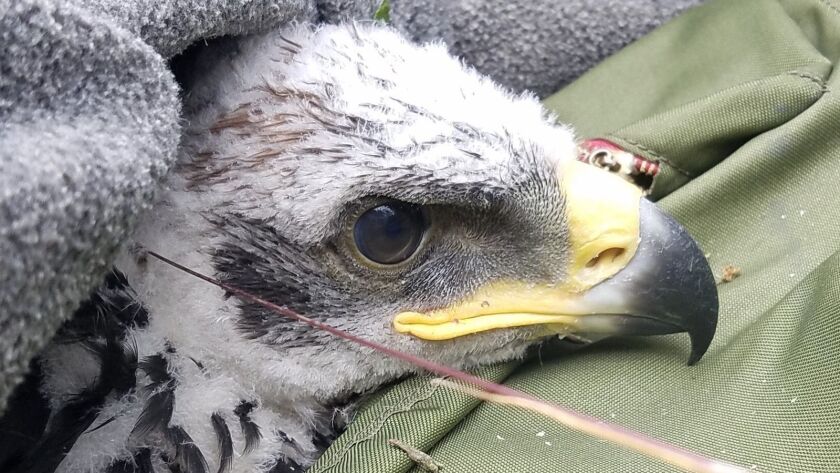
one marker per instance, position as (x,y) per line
(415,411)
(738,101)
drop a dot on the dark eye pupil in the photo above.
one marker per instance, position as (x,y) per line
(390,233)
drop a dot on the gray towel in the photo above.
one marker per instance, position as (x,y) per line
(537,45)
(89,115)
(89,124)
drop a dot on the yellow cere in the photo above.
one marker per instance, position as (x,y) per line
(603,220)
(603,213)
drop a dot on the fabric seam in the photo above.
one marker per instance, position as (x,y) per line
(403,404)
(651,153)
(824,88)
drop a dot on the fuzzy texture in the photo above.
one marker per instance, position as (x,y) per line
(80,159)
(89,115)
(89,125)
(341,11)
(291,134)
(537,45)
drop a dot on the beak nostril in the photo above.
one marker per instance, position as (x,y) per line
(607,256)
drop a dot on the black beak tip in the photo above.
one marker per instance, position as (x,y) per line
(686,292)
(700,341)
(704,323)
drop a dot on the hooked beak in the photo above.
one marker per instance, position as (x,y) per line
(633,270)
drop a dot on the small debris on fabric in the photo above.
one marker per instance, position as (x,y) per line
(422,459)
(730,273)
(499,437)
(541,434)
(548,443)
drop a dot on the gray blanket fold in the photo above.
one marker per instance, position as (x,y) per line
(89,114)
(89,124)
(534,45)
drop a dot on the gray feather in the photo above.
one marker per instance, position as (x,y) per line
(225,442)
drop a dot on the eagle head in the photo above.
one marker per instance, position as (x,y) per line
(389,190)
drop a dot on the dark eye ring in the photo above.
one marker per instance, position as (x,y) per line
(390,233)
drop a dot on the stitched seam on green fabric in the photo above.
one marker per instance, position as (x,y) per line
(794,73)
(404,404)
(651,153)
(817,80)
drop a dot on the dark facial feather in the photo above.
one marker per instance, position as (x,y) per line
(140,463)
(250,430)
(156,415)
(100,324)
(225,443)
(187,456)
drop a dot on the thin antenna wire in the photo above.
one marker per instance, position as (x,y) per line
(667,453)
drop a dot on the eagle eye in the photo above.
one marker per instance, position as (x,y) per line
(390,233)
